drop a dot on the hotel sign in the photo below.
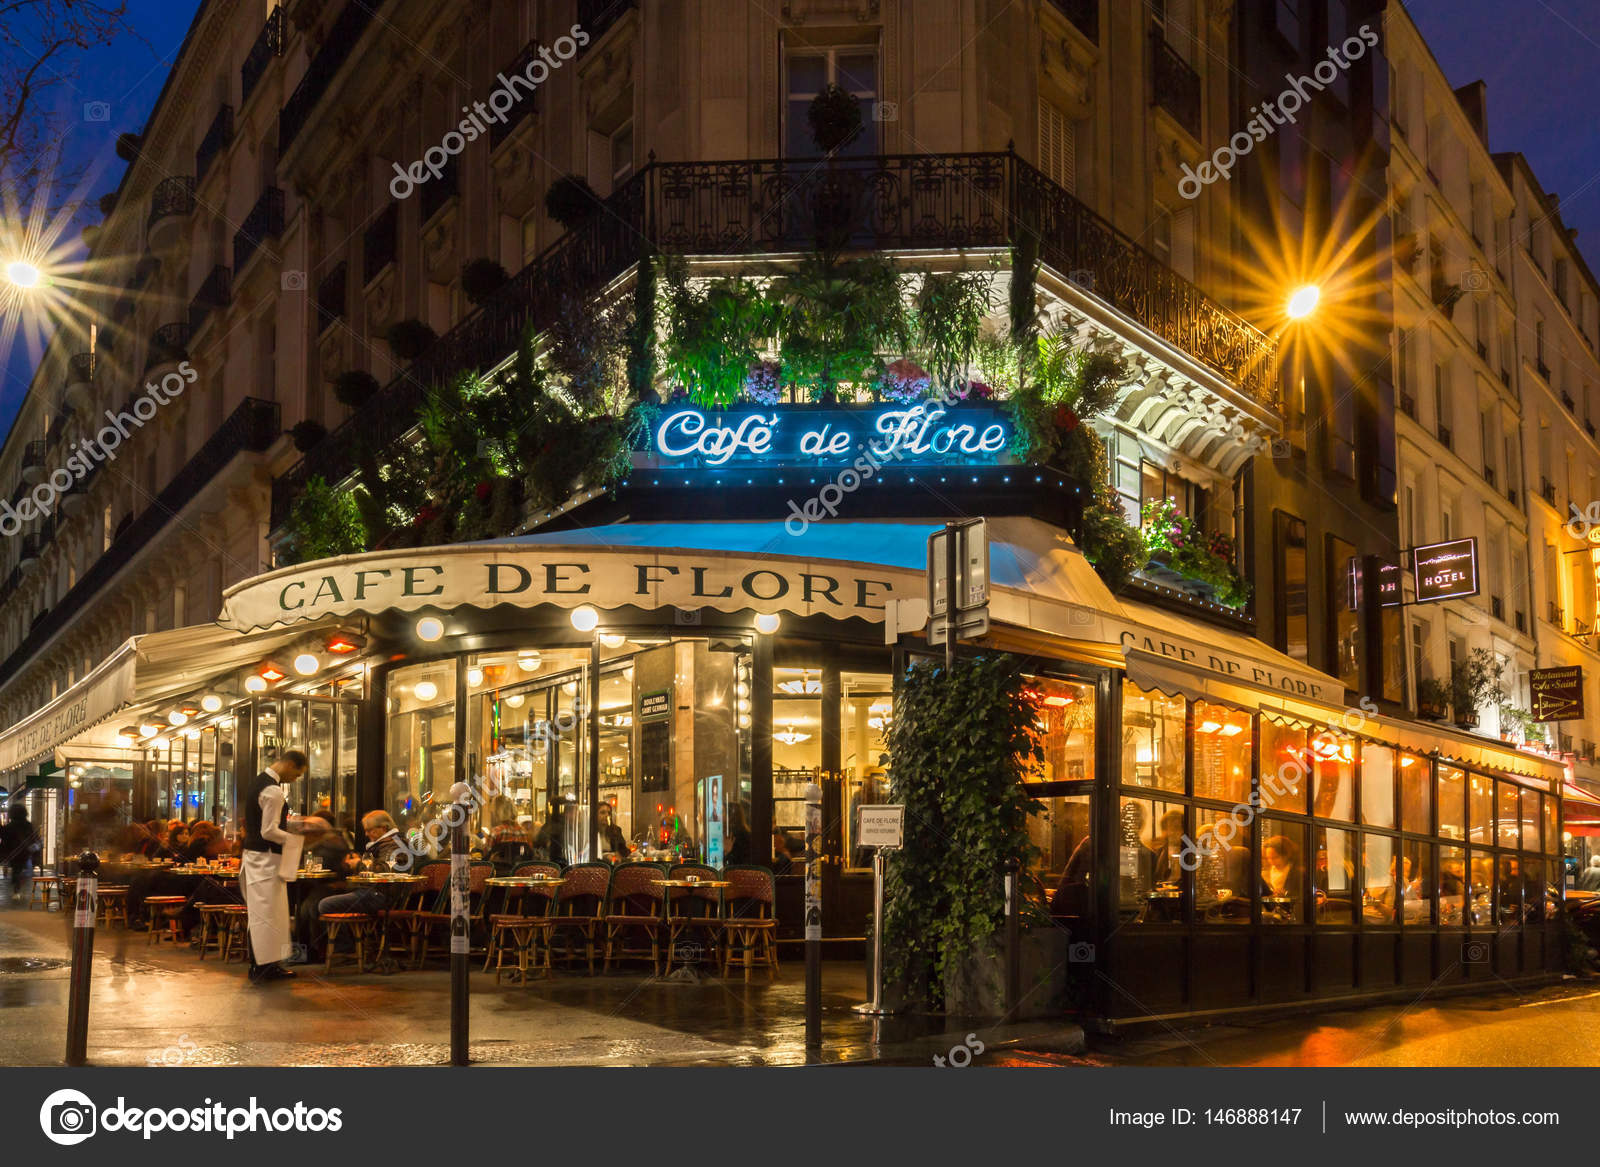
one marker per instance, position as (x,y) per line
(867,437)
(1557,693)
(1446,571)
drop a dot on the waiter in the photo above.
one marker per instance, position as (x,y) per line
(268,826)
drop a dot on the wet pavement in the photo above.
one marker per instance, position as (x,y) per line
(1554,1025)
(160,1005)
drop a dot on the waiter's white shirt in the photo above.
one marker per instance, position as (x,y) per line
(266,897)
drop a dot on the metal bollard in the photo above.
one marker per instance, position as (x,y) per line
(460,934)
(1013,937)
(82,958)
(813,917)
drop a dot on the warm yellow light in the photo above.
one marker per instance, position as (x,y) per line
(1304,302)
(430,628)
(427,690)
(474,677)
(585,619)
(148,729)
(23,274)
(211,703)
(255,684)
(612,640)
(306,663)
(767,623)
(177,717)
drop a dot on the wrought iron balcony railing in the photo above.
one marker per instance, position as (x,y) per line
(265,221)
(380,243)
(170,342)
(1083,14)
(217,137)
(762,207)
(172,196)
(216,292)
(252,427)
(269,44)
(324,67)
(1177,85)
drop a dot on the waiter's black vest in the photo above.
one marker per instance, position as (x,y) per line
(253,840)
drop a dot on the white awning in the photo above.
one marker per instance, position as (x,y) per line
(144,670)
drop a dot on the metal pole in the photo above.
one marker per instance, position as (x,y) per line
(1013,937)
(1370,677)
(593,698)
(813,917)
(82,959)
(880,871)
(460,933)
(950,569)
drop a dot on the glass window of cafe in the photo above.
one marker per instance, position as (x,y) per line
(1322,827)
(192,774)
(1065,721)
(672,750)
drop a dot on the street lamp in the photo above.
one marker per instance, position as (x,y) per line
(1303,302)
(23,274)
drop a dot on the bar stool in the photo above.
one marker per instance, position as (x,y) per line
(40,892)
(211,928)
(362,927)
(233,920)
(162,912)
(112,905)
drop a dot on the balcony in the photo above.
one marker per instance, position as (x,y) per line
(1488,475)
(1176,85)
(1521,621)
(1083,15)
(341,41)
(217,138)
(923,202)
(1544,370)
(1556,616)
(1566,399)
(1547,491)
(1408,406)
(1483,352)
(1588,427)
(33,458)
(527,104)
(169,344)
(597,16)
(215,293)
(265,221)
(252,428)
(1497,607)
(171,202)
(380,243)
(269,44)
(80,381)
(1445,436)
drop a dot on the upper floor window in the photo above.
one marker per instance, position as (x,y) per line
(1286,20)
(621,154)
(807,72)
(1058,146)
(1174,20)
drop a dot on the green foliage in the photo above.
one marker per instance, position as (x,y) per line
(1476,683)
(946,322)
(570,200)
(322,523)
(481,278)
(998,364)
(409,338)
(1201,555)
(642,331)
(835,118)
(1432,693)
(1112,544)
(835,317)
(1024,295)
(714,333)
(961,743)
(586,344)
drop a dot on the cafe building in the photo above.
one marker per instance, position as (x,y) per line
(683,657)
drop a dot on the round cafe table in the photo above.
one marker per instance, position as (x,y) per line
(515,886)
(719,884)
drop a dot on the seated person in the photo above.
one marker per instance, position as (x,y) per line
(612,841)
(782,864)
(384,848)
(336,856)
(1071,897)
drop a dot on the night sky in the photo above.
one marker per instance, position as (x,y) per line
(1540,58)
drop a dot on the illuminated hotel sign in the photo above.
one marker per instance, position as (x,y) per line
(919,434)
(1446,571)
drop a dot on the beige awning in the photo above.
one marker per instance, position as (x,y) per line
(143,671)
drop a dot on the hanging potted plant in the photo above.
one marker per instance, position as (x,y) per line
(355,388)
(409,339)
(307,434)
(481,278)
(835,117)
(570,200)
(1433,698)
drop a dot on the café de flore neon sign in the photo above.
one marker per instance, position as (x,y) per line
(924,433)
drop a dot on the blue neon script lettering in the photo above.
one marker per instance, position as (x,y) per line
(901,432)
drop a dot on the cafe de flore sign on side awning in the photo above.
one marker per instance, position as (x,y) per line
(845,570)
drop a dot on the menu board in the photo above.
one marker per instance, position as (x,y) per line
(1557,693)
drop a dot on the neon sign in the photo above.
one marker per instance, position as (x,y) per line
(920,434)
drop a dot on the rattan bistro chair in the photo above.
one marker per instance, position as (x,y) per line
(694,915)
(524,929)
(749,925)
(580,908)
(634,903)
(427,925)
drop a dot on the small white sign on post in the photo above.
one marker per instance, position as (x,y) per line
(881,826)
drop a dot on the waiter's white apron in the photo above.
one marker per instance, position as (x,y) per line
(266,900)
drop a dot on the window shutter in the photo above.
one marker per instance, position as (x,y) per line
(1057,146)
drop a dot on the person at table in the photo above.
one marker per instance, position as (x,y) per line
(155,843)
(738,845)
(336,856)
(178,841)
(1281,872)
(205,842)
(385,852)
(1168,847)
(268,826)
(509,841)
(552,837)
(1071,897)
(1589,880)
(612,841)
(781,863)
